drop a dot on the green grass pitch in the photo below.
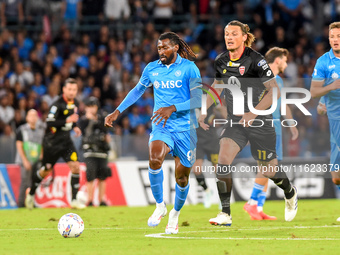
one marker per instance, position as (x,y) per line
(124,230)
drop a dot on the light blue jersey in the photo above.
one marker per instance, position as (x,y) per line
(173,85)
(335,150)
(177,84)
(327,69)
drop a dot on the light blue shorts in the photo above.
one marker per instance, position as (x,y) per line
(181,144)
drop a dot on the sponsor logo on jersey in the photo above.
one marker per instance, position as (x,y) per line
(232,64)
(242,69)
(270,155)
(178,73)
(331,66)
(65,112)
(53,109)
(168,84)
(154,74)
(234,81)
(224,70)
(261,62)
(269,73)
(264,67)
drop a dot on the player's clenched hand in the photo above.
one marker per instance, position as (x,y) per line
(322,109)
(77,131)
(72,118)
(201,120)
(111,118)
(163,113)
(247,119)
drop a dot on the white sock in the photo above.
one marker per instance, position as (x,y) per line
(260,208)
(252,202)
(175,213)
(162,204)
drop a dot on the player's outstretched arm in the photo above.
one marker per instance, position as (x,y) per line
(109,119)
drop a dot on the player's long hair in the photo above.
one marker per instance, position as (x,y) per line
(184,49)
(245,30)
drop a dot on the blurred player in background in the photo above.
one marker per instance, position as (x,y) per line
(29,138)
(277,60)
(245,68)
(57,142)
(176,81)
(335,152)
(326,82)
(95,144)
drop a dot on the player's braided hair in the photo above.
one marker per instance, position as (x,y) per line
(245,30)
(184,49)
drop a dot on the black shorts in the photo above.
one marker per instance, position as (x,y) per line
(96,168)
(262,139)
(207,145)
(52,152)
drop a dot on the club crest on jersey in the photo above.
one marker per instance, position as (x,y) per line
(156,84)
(178,73)
(335,76)
(242,69)
(261,62)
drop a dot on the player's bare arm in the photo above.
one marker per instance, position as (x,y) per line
(264,104)
(109,119)
(317,89)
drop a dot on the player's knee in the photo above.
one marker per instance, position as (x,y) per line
(225,160)
(74,167)
(336,181)
(182,181)
(155,162)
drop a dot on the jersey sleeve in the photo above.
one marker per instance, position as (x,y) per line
(19,136)
(144,79)
(262,69)
(52,117)
(322,100)
(319,73)
(195,82)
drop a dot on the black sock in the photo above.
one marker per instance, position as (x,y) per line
(74,185)
(36,180)
(224,186)
(201,181)
(281,180)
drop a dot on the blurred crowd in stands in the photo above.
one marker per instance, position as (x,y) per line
(105,45)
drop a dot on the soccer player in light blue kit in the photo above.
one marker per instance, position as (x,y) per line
(335,150)
(277,60)
(326,83)
(176,81)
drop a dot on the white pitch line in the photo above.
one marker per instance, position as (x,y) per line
(163,235)
(160,235)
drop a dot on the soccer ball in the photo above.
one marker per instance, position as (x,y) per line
(71,225)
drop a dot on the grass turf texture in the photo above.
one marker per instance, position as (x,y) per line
(123,230)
